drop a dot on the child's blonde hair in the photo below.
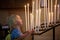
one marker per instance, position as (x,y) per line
(11,21)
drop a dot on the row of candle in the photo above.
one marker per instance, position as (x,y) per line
(33,19)
(27,16)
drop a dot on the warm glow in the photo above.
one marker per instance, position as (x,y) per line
(27,4)
(58,13)
(55,13)
(26,17)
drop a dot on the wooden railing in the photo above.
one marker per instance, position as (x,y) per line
(52,27)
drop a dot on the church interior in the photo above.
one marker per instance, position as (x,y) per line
(43,16)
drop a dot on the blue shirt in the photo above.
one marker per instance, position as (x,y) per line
(15,34)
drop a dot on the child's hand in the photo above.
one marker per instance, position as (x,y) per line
(30,31)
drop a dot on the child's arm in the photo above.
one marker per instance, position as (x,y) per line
(27,33)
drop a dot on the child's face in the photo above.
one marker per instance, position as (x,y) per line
(19,20)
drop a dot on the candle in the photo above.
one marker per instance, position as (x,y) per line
(55,11)
(37,22)
(51,6)
(33,12)
(36,13)
(55,2)
(58,12)
(39,15)
(25,17)
(48,13)
(44,14)
(33,7)
(28,14)
(54,14)
(51,11)
(51,17)
(31,20)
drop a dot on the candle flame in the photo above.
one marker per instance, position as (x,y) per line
(27,4)
(58,5)
(24,5)
(33,2)
(54,5)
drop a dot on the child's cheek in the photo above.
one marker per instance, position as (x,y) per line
(18,22)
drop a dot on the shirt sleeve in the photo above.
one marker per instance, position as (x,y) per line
(16,33)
